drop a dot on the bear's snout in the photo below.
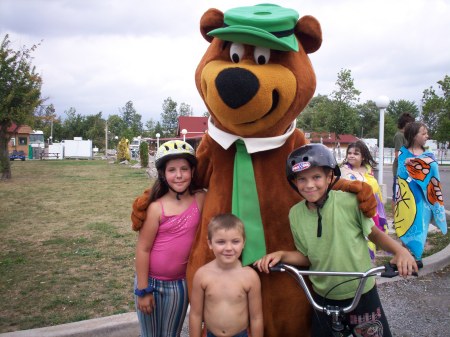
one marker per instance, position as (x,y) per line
(236,86)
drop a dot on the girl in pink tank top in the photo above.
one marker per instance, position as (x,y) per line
(167,217)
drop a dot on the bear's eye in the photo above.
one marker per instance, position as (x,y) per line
(236,52)
(262,55)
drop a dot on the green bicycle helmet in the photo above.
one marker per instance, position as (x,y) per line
(174,149)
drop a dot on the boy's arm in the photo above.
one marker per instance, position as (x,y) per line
(196,303)
(402,257)
(289,257)
(255,306)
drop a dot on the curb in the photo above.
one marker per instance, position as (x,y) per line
(126,325)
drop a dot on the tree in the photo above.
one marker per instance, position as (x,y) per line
(396,108)
(20,94)
(169,117)
(436,111)
(369,119)
(74,124)
(313,117)
(185,110)
(143,153)
(132,121)
(343,115)
(95,129)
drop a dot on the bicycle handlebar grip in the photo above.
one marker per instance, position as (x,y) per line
(277,267)
(391,270)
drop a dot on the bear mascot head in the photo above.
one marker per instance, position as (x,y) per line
(255,78)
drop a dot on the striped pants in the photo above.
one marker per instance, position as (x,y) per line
(171,303)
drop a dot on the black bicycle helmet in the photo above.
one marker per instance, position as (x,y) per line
(310,155)
(174,149)
(305,157)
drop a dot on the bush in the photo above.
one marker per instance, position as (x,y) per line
(143,152)
(123,152)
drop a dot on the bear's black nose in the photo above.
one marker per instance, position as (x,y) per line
(236,86)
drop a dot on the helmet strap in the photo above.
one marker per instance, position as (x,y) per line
(178,194)
(319,204)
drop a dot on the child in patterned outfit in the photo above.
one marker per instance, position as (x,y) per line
(165,238)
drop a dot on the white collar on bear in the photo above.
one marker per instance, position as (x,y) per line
(253,145)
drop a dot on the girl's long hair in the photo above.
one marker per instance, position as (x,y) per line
(367,158)
(411,131)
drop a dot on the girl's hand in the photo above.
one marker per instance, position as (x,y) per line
(405,262)
(146,304)
(267,261)
(409,161)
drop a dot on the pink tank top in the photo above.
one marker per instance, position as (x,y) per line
(172,245)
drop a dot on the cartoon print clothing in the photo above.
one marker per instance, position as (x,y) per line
(418,200)
(342,246)
(380,218)
(366,320)
(368,177)
(170,252)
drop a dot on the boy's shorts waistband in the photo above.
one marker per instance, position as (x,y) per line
(240,334)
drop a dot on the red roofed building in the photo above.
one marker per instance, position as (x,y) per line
(339,146)
(195,126)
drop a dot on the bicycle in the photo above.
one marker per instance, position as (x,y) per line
(336,313)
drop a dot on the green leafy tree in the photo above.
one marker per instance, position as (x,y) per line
(343,115)
(368,125)
(185,110)
(169,117)
(313,117)
(116,128)
(397,108)
(436,111)
(20,94)
(132,121)
(150,128)
(95,129)
(74,124)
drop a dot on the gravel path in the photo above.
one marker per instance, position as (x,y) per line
(418,307)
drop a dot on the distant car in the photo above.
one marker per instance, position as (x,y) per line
(17,155)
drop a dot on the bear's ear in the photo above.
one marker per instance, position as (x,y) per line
(309,33)
(212,19)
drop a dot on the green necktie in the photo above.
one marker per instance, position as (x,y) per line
(245,205)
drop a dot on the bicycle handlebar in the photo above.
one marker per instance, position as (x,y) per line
(387,270)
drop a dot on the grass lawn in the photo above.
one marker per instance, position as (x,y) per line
(66,248)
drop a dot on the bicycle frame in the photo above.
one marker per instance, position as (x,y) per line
(335,311)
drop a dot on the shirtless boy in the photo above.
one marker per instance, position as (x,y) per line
(226,295)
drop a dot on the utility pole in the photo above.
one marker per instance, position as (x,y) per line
(106,139)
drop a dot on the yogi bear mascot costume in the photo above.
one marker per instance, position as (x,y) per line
(255,78)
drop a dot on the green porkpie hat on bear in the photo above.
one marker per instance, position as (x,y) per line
(265,25)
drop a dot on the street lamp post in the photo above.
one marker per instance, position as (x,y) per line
(184,132)
(382,103)
(157,140)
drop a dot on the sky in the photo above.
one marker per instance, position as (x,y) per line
(96,55)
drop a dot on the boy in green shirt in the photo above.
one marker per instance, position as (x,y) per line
(330,234)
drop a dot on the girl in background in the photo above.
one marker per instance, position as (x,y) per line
(166,218)
(419,198)
(358,165)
